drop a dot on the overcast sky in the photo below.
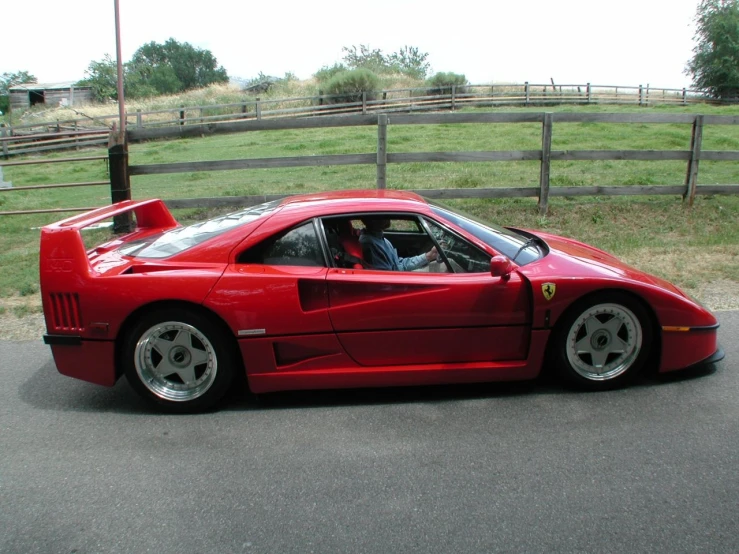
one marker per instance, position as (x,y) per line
(629,42)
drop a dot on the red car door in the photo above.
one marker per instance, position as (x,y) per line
(398,318)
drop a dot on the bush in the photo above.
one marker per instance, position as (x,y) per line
(324,74)
(442,83)
(348,86)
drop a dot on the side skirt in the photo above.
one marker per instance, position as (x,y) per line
(353,376)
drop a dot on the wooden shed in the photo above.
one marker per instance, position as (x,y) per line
(26,95)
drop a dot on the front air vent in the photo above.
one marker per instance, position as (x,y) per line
(65,311)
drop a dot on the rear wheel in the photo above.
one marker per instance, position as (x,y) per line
(603,342)
(179,360)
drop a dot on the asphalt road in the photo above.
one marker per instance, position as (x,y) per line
(493,468)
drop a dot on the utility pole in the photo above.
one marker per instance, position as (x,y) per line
(120,183)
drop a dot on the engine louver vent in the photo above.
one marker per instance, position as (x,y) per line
(65,311)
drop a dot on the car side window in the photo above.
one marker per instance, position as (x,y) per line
(298,246)
(463,256)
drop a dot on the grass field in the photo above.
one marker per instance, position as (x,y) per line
(659,234)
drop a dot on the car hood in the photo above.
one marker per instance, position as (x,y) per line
(578,259)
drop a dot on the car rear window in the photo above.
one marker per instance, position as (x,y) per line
(177,240)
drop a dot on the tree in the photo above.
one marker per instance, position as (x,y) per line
(8,80)
(410,61)
(365,58)
(190,67)
(715,64)
(102,77)
(155,69)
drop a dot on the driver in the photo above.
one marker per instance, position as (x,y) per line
(379,253)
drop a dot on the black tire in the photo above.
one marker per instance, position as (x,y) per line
(178,359)
(603,341)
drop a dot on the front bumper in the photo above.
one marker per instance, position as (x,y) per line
(684,347)
(712,359)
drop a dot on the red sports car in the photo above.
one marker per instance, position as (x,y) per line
(291,292)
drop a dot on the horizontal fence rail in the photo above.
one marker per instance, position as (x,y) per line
(76,133)
(52,186)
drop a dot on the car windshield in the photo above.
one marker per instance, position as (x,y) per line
(507,242)
(177,240)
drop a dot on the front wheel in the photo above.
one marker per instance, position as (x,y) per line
(179,360)
(603,342)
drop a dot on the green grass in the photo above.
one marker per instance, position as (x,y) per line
(624,225)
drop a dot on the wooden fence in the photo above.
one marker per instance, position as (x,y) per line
(74,133)
(381,158)
(53,186)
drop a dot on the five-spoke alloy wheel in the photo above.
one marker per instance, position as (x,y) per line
(603,341)
(179,360)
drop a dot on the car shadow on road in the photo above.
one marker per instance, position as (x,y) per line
(48,390)
(546,384)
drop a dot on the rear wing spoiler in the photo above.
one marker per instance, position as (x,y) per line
(62,254)
(149,214)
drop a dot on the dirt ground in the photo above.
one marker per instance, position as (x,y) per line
(22,319)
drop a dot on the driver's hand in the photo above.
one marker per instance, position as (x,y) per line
(432,254)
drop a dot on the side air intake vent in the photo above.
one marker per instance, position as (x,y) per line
(65,311)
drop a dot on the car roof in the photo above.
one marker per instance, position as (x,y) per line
(355,199)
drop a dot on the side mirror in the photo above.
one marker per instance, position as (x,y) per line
(500,266)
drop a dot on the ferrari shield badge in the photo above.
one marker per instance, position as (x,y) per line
(548,290)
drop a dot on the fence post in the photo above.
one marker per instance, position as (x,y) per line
(590,94)
(139,121)
(382,151)
(243,109)
(3,134)
(526,92)
(182,115)
(364,102)
(685,101)
(454,95)
(120,183)
(546,153)
(641,95)
(691,178)
(259,109)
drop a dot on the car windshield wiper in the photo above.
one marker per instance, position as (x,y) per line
(524,246)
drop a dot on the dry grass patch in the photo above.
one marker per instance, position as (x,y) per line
(710,275)
(689,267)
(21,318)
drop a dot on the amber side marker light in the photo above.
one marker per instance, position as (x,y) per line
(679,329)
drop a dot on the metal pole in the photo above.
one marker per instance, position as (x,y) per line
(121,102)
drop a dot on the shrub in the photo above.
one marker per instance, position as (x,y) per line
(348,86)
(442,83)
(324,74)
